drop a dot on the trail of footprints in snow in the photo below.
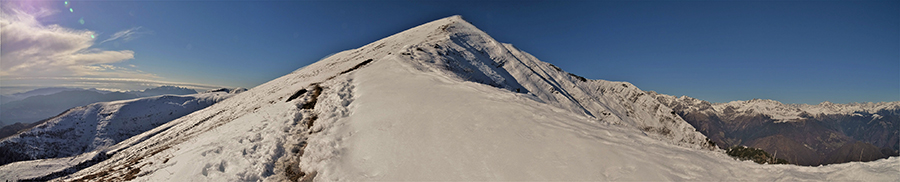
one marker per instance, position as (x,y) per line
(291,165)
(285,164)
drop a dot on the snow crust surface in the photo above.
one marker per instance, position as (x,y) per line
(441,101)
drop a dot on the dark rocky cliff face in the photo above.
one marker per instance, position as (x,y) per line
(811,141)
(854,151)
(881,129)
(786,148)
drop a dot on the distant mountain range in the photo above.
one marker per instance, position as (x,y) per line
(803,134)
(43,103)
(99,125)
(40,91)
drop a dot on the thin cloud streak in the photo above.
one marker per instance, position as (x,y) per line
(125,35)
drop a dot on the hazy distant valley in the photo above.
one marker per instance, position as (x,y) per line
(32,106)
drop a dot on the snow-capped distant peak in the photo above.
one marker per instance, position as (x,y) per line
(776,110)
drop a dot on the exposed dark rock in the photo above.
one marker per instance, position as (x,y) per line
(296,94)
(855,151)
(357,66)
(578,77)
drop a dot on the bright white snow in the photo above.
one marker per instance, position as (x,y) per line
(440,102)
(441,129)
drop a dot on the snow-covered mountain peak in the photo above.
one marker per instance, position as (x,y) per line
(452,46)
(440,101)
(459,50)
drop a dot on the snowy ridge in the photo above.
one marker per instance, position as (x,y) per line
(95,127)
(776,110)
(260,131)
(455,47)
(608,101)
(440,101)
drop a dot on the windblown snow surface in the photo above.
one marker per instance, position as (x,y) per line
(441,101)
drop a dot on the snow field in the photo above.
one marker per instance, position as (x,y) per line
(442,129)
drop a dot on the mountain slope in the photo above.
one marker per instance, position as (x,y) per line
(803,134)
(43,103)
(441,101)
(10,130)
(100,125)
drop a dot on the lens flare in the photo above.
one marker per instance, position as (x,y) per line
(81,20)
(92,36)
(67,2)
(70,10)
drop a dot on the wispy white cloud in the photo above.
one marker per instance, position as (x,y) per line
(36,55)
(125,35)
(28,48)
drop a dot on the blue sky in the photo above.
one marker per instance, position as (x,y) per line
(794,52)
